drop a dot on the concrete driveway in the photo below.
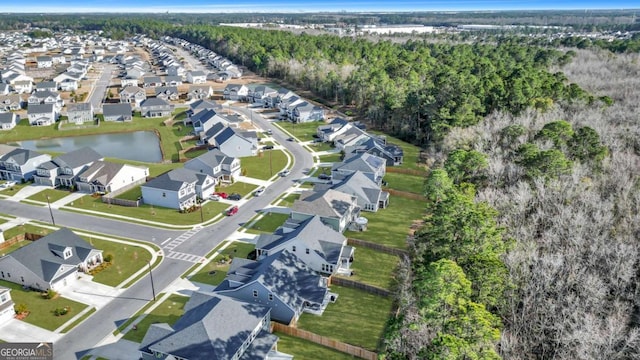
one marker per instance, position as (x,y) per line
(20,331)
(90,292)
(27,191)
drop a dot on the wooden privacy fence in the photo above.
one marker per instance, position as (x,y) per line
(325,341)
(360,286)
(120,202)
(377,247)
(20,237)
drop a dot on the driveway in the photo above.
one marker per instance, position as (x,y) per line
(20,331)
(90,292)
(27,191)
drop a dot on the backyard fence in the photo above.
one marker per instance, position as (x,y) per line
(325,341)
(111,198)
(340,281)
(20,237)
(377,247)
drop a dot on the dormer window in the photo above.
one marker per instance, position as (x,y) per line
(67,253)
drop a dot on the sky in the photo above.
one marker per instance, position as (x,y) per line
(218,6)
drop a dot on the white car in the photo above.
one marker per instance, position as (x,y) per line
(285,172)
(7,184)
(214,197)
(258,192)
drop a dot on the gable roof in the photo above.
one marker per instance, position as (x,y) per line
(360,186)
(78,157)
(79,107)
(212,158)
(154,102)
(43,257)
(204,104)
(21,156)
(46,85)
(45,94)
(212,327)
(360,162)
(101,172)
(117,109)
(8,118)
(173,180)
(326,203)
(132,90)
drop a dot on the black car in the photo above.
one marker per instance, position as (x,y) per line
(324,177)
(234,196)
(267,147)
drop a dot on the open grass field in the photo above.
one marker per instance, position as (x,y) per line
(405,182)
(357,318)
(237,187)
(374,268)
(264,165)
(303,131)
(41,309)
(53,194)
(288,200)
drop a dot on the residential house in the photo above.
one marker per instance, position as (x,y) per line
(233,72)
(199,105)
(67,76)
(204,120)
(378,146)
(44,62)
(155,107)
(68,85)
(216,164)
(172,80)
(105,177)
(9,120)
(78,113)
(167,93)
(280,281)
(52,262)
(47,86)
(11,102)
(47,97)
(151,81)
(178,189)
(236,92)
(288,105)
(336,209)
(5,89)
(196,77)
(371,166)
(327,132)
(20,164)
(214,327)
(176,70)
(318,246)
(58,59)
(7,311)
(133,95)
(368,194)
(263,95)
(199,92)
(117,112)
(42,114)
(307,112)
(231,141)
(23,86)
(63,170)
(124,82)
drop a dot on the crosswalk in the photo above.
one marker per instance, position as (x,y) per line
(182,238)
(185,257)
(172,244)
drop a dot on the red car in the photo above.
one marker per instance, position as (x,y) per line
(232,210)
(221,194)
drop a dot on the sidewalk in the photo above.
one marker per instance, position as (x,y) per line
(253,181)
(67,199)
(28,191)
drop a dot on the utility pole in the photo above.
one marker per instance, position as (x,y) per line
(201,214)
(270,164)
(153,289)
(53,222)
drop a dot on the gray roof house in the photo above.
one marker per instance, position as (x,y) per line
(46,85)
(336,127)
(52,262)
(7,311)
(167,93)
(178,189)
(20,164)
(78,113)
(46,97)
(62,170)
(133,95)
(236,92)
(196,77)
(307,112)
(203,104)
(336,209)
(199,92)
(151,81)
(11,102)
(172,80)
(155,107)
(377,145)
(368,193)
(281,281)
(216,164)
(117,112)
(214,327)
(231,141)
(105,177)
(9,120)
(321,248)
(372,166)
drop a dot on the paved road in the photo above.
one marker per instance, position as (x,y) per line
(85,336)
(100,87)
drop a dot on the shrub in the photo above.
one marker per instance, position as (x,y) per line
(50,294)
(20,308)
(108,258)
(61,311)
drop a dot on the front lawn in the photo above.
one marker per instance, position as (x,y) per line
(237,187)
(41,309)
(127,260)
(150,212)
(288,200)
(323,146)
(357,318)
(169,311)
(216,270)
(303,131)
(303,349)
(53,194)
(26,228)
(405,182)
(337,157)
(10,191)
(268,223)
(374,267)
(390,226)
(133,194)
(264,165)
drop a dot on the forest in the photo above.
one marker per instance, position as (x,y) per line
(529,243)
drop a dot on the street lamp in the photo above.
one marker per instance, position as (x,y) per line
(50,211)
(153,289)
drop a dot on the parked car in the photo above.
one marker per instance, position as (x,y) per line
(259,192)
(291,139)
(267,147)
(215,197)
(285,172)
(269,132)
(234,196)
(7,184)
(324,177)
(232,210)
(222,195)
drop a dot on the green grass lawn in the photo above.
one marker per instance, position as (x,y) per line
(169,311)
(304,131)
(268,223)
(205,275)
(14,189)
(191,154)
(374,267)
(41,309)
(331,158)
(411,152)
(54,195)
(303,349)
(127,260)
(405,182)
(323,146)
(264,165)
(132,194)
(152,213)
(26,228)
(288,200)
(357,318)
(390,226)
(237,187)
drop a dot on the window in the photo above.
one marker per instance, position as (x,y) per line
(2,272)
(293,248)
(255,293)
(3,298)
(164,194)
(307,250)
(270,297)
(8,275)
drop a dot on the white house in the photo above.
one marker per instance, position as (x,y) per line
(178,189)
(9,120)
(105,177)
(42,114)
(196,77)
(78,113)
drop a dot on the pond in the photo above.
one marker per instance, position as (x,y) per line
(137,145)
